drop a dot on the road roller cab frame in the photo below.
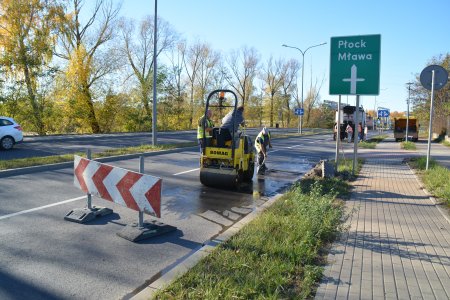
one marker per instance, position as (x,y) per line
(225,163)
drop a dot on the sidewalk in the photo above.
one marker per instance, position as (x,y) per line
(398,242)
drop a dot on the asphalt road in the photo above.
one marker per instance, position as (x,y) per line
(37,146)
(45,257)
(438,152)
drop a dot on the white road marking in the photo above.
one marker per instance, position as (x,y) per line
(295,146)
(40,207)
(188,171)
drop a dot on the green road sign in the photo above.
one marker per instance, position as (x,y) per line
(355,65)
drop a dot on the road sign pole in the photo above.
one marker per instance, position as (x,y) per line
(355,137)
(407,110)
(338,132)
(299,124)
(89,196)
(432,78)
(141,170)
(430,128)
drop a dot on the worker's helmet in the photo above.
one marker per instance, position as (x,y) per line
(265,130)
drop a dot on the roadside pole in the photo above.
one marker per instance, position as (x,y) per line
(355,137)
(430,128)
(338,132)
(432,78)
(407,111)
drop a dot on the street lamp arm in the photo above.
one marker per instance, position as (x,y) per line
(314,46)
(284,45)
(303,76)
(303,52)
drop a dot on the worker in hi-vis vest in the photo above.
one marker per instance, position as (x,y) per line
(207,127)
(261,142)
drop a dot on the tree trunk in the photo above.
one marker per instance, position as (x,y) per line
(191,118)
(271,110)
(288,116)
(32,96)
(92,119)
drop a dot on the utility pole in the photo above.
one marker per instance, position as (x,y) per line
(154,121)
(407,111)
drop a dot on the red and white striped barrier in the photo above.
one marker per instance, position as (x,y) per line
(127,188)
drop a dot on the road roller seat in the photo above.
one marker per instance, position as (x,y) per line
(215,136)
(222,136)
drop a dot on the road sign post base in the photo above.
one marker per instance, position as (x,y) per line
(134,233)
(84,215)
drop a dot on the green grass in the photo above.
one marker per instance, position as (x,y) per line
(446,143)
(279,255)
(37,161)
(408,145)
(436,179)
(372,142)
(345,168)
(367,145)
(377,138)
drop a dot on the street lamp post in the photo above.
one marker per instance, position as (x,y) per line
(154,121)
(303,73)
(407,111)
(375,112)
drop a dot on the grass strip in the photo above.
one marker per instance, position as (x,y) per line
(367,145)
(372,142)
(446,143)
(345,167)
(378,138)
(408,145)
(279,255)
(436,179)
(45,160)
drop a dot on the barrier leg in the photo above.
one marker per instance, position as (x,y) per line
(89,213)
(143,230)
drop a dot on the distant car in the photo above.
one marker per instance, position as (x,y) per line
(10,133)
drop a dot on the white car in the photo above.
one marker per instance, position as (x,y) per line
(10,133)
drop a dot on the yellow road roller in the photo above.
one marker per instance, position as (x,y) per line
(227,158)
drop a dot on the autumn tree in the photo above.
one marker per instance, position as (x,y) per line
(138,48)
(192,62)
(243,65)
(420,98)
(208,71)
(26,44)
(272,75)
(312,98)
(289,73)
(175,86)
(85,40)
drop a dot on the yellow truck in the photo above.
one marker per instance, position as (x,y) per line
(400,129)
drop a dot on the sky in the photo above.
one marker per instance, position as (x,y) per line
(412,33)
